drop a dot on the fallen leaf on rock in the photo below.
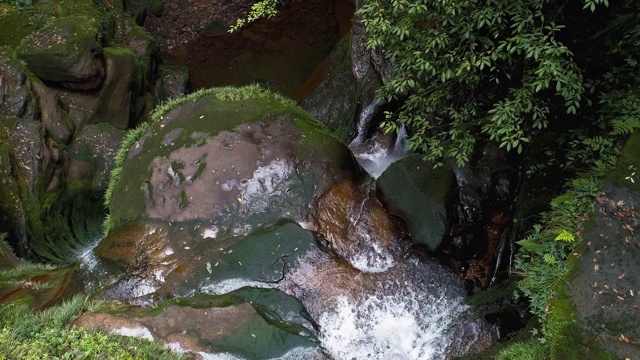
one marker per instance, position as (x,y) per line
(624,338)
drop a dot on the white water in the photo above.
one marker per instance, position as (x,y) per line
(375,156)
(389,326)
(373,259)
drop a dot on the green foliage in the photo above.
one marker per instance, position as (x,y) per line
(49,335)
(524,350)
(462,70)
(259,10)
(226,93)
(543,253)
(129,139)
(565,236)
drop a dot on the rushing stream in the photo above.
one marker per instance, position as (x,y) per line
(344,259)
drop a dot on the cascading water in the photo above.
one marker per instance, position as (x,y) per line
(413,311)
(377,153)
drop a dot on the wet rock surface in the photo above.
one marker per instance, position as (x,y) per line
(252,323)
(284,206)
(421,195)
(345,99)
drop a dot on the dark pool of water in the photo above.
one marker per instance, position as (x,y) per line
(282,53)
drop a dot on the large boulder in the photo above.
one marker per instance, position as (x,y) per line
(226,159)
(231,176)
(419,194)
(66,51)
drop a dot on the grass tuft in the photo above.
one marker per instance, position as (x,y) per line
(532,349)
(49,334)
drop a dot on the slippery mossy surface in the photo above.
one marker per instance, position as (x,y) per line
(207,113)
(15,25)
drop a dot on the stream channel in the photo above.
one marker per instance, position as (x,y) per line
(373,298)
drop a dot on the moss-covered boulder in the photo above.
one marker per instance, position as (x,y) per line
(66,51)
(251,323)
(229,174)
(421,195)
(596,313)
(227,158)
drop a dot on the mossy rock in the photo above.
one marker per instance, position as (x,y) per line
(246,148)
(17,99)
(65,51)
(15,25)
(595,314)
(231,168)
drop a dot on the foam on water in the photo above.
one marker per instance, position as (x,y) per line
(229,285)
(140,332)
(373,260)
(376,157)
(88,260)
(404,326)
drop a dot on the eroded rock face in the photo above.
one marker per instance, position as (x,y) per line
(28,171)
(14,91)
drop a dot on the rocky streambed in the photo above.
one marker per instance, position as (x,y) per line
(239,224)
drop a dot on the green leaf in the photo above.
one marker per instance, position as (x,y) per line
(565,236)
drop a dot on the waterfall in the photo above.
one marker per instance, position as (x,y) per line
(377,153)
(364,121)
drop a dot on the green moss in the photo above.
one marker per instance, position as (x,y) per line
(202,165)
(15,25)
(184,200)
(176,167)
(49,334)
(627,170)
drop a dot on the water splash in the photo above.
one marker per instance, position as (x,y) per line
(376,154)
(373,259)
(407,326)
